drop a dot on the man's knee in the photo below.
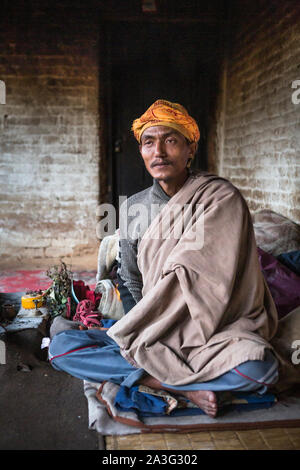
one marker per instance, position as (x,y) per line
(64,345)
(58,345)
(60,324)
(263,373)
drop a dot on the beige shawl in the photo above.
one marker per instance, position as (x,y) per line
(206,307)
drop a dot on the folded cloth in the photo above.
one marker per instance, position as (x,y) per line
(275,233)
(83,292)
(107,254)
(110,304)
(131,398)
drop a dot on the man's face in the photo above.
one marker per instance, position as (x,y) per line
(165,152)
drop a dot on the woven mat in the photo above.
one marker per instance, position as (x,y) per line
(259,439)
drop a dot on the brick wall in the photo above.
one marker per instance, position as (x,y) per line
(49,126)
(256,139)
(49,147)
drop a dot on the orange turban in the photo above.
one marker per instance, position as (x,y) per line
(165,113)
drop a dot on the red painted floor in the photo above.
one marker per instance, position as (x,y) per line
(20,281)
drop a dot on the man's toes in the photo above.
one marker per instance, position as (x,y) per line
(211,396)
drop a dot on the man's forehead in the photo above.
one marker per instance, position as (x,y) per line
(159,131)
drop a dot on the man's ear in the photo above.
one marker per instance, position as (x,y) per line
(189,162)
(193,148)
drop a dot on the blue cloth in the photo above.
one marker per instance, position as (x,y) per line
(145,404)
(92,355)
(107,322)
(130,399)
(248,376)
(291,260)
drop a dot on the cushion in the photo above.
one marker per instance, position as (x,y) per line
(275,233)
(284,285)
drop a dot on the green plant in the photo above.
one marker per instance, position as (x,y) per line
(59,295)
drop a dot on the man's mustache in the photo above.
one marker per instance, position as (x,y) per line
(165,162)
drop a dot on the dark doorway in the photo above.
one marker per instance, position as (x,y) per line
(146,61)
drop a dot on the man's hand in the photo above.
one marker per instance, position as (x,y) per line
(82,327)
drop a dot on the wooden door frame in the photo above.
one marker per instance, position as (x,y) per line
(105,118)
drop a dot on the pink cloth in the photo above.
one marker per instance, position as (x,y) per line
(83,292)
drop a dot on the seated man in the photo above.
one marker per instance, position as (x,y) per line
(199,313)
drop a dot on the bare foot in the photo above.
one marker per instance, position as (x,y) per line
(206,400)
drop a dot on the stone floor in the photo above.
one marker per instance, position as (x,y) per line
(41,408)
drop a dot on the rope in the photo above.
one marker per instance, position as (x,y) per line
(85,314)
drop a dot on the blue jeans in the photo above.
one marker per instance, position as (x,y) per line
(93,356)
